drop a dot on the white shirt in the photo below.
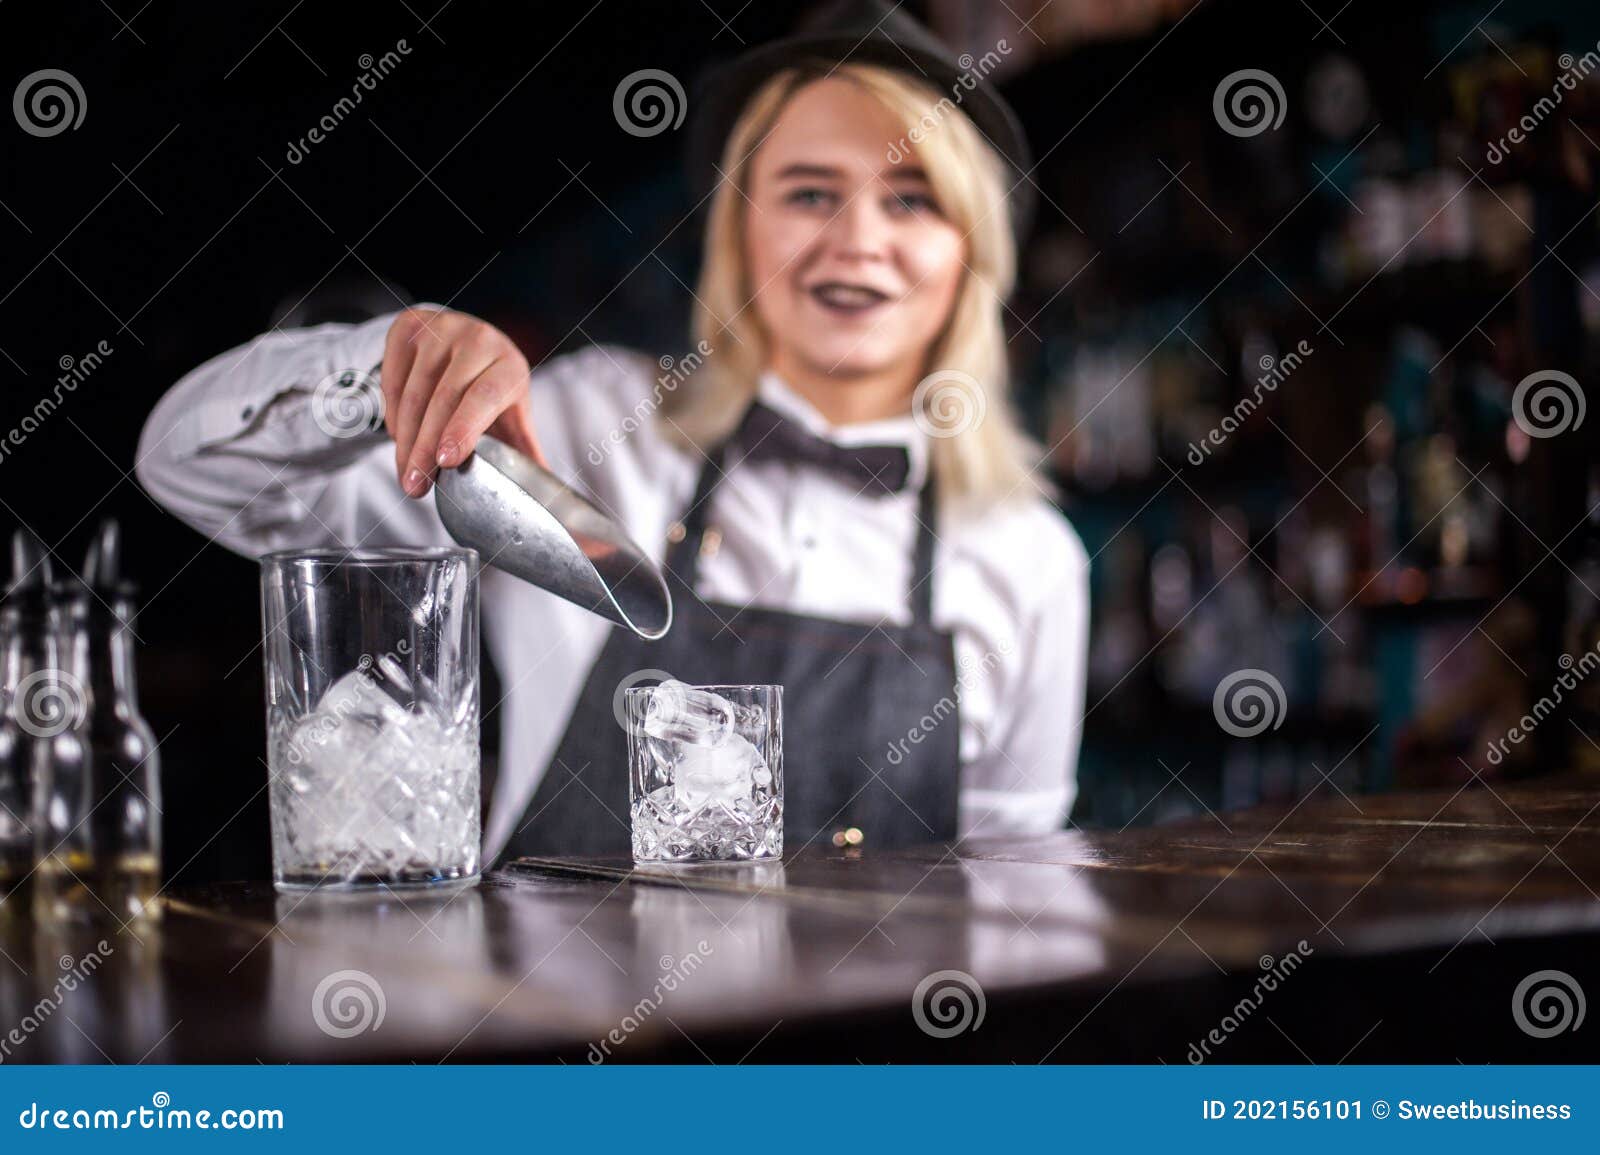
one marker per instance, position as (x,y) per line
(232,449)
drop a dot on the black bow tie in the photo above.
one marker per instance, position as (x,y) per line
(766,435)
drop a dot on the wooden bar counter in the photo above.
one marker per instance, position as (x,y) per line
(1379,928)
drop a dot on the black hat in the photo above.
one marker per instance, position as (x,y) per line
(861,32)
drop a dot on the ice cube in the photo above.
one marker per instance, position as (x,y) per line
(675,712)
(663,756)
(359,694)
(376,781)
(391,673)
(725,773)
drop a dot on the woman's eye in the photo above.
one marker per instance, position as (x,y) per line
(809,197)
(911,202)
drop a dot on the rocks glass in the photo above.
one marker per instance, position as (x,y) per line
(705,772)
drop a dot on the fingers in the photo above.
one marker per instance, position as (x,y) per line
(433,361)
(497,398)
(446,378)
(466,367)
(399,353)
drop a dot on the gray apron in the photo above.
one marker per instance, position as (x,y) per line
(871,731)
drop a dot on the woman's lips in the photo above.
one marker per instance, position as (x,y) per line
(847,301)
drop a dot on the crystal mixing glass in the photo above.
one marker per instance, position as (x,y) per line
(372,716)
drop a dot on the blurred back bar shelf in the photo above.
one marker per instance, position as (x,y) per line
(1276,373)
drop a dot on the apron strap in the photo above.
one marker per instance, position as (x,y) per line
(683,555)
(922,555)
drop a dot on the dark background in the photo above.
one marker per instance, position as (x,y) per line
(1412,588)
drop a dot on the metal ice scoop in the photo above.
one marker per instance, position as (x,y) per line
(528,522)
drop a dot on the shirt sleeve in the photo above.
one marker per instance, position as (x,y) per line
(1025,777)
(280,444)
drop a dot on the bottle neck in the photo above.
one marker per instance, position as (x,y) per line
(12,668)
(24,648)
(96,647)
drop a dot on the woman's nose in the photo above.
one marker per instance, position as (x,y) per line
(860,230)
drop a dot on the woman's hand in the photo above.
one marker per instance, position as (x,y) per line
(447,378)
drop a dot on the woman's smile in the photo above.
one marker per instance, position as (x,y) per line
(850,301)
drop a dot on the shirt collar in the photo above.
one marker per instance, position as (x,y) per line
(904,431)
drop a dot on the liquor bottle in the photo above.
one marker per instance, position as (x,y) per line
(99,826)
(28,703)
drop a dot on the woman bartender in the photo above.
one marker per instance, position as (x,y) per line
(837,490)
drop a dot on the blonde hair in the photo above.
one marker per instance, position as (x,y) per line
(978,454)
